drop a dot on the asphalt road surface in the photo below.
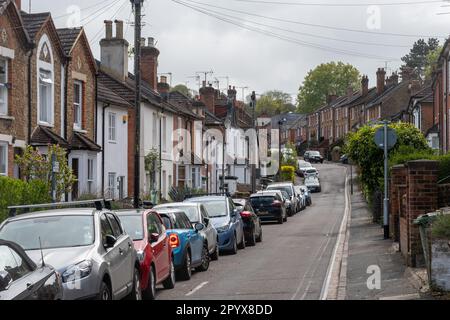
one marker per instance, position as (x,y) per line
(290,264)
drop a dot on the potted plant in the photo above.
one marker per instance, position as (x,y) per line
(440,252)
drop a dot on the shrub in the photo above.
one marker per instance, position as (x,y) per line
(287,173)
(405,154)
(441,227)
(17,192)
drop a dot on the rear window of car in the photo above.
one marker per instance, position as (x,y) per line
(286,189)
(133,226)
(262,201)
(216,208)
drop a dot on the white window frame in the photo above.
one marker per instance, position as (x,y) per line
(112,127)
(90,174)
(112,184)
(78,107)
(4,90)
(4,145)
(154,129)
(164,134)
(48,68)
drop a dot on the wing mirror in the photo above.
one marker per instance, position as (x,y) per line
(206,221)
(199,227)
(234,213)
(154,237)
(110,241)
(5,280)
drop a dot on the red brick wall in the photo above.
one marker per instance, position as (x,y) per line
(444,195)
(208,97)
(427,117)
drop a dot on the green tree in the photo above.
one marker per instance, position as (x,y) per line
(431,62)
(325,79)
(274,102)
(34,165)
(181,88)
(417,58)
(361,148)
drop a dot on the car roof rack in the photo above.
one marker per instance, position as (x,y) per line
(99,204)
(190,196)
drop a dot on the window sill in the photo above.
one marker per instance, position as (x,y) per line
(46,124)
(112,142)
(80,130)
(5,117)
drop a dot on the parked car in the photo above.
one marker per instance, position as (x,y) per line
(313,157)
(189,246)
(313,184)
(311,172)
(269,206)
(197,213)
(307,194)
(300,193)
(153,249)
(252,223)
(22,279)
(302,166)
(88,247)
(226,219)
(284,198)
(289,188)
(344,159)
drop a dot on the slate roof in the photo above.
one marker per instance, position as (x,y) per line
(43,136)
(212,119)
(68,36)
(80,142)
(387,93)
(109,96)
(34,21)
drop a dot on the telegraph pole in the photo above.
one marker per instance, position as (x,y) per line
(137,4)
(255,150)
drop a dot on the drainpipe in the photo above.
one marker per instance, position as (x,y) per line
(105,106)
(95,109)
(30,108)
(66,89)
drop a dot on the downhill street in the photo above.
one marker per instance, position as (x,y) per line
(290,264)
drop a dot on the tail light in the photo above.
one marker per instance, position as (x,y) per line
(277,203)
(246,214)
(174,240)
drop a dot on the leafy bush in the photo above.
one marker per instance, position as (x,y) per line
(441,227)
(405,154)
(17,192)
(287,173)
(361,148)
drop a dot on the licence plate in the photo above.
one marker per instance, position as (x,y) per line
(263,213)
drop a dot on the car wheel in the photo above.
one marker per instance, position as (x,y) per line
(105,292)
(169,283)
(150,292)
(280,220)
(242,244)
(252,240)
(186,272)
(205,260)
(260,237)
(285,218)
(234,250)
(136,292)
(215,254)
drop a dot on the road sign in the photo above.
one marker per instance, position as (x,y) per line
(391,138)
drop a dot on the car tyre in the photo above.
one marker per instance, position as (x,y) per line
(241,246)
(280,220)
(136,292)
(150,292)
(185,273)
(205,260)
(252,240)
(105,292)
(215,254)
(260,237)
(169,283)
(234,250)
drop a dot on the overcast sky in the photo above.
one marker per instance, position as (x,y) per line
(191,41)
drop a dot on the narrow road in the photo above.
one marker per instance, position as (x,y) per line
(290,264)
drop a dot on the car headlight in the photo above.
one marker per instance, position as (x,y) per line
(141,255)
(223,228)
(78,271)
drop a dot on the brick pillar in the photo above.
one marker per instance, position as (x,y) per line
(422,198)
(398,182)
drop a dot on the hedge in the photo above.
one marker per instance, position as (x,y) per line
(17,192)
(288,173)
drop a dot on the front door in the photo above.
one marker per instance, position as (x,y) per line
(75,169)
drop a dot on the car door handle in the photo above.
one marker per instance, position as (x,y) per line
(30,286)
(121,251)
(130,245)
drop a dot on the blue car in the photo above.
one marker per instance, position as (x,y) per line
(226,219)
(189,246)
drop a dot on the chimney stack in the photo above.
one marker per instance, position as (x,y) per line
(114,51)
(394,78)
(331,98)
(381,79)
(208,97)
(19,4)
(407,73)
(365,86)
(149,63)
(163,86)
(349,92)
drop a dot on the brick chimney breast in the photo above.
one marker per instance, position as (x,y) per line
(114,51)
(149,63)
(163,86)
(381,80)
(365,86)
(208,97)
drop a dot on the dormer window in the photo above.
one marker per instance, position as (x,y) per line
(4,86)
(45,97)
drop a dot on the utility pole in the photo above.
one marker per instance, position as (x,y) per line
(137,4)
(255,149)
(386,182)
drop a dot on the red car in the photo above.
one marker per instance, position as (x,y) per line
(154,249)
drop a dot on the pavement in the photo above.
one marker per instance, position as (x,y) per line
(292,262)
(369,253)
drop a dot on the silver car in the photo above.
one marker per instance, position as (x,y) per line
(88,247)
(197,213)
(289,188)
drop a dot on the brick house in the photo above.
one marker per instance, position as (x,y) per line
(314,126)
(14,51)
(356,108)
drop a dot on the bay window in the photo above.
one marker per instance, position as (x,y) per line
(45,97)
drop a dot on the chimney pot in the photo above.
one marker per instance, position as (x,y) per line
(163,79)
(142,42)
(151,42)
(119,29)
(108,27)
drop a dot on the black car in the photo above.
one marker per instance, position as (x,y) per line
(313,157)
(22,279)
(252,224)
(269,205)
